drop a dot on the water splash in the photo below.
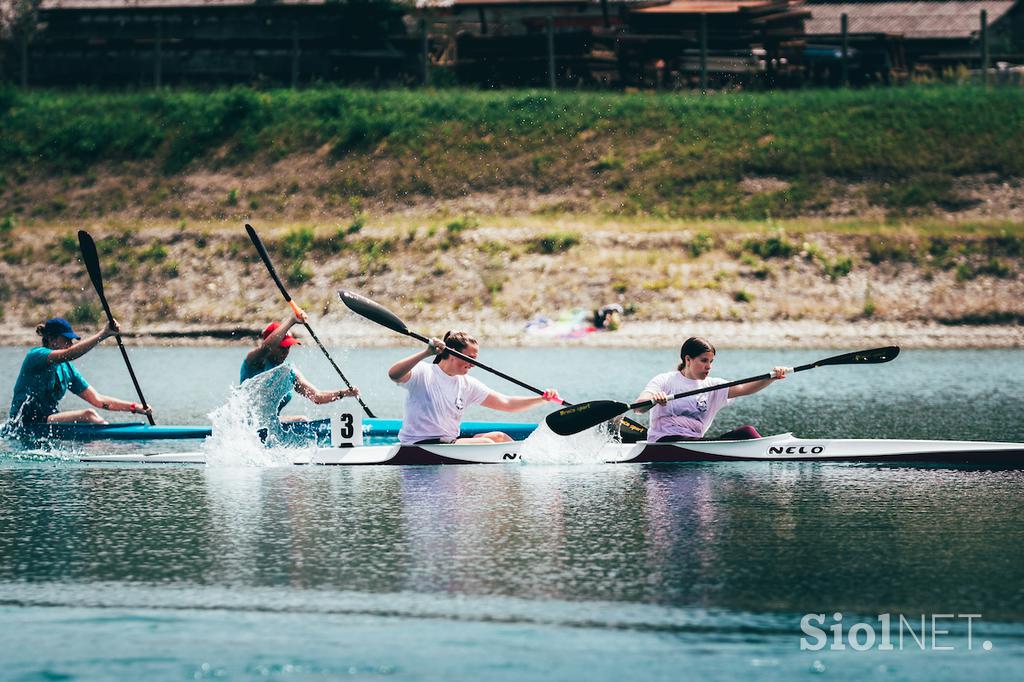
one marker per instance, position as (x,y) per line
(20,445)
(246,429)
(544,446)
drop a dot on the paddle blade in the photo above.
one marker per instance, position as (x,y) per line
(576,418)
(91,259)
(631,431)
(92,264)
(372,311)
(873,356)
(265,257)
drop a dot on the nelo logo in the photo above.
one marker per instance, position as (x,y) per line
(796,449)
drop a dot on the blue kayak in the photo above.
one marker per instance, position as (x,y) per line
(319,430)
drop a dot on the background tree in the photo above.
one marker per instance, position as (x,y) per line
(18,20)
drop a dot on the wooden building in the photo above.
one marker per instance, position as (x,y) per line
(145,42)
(741,41)
(517,42)
(935,34)
(622,43)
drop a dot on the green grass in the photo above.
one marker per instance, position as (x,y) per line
(667,155)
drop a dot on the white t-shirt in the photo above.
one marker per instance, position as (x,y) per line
(436,403)
(690,417)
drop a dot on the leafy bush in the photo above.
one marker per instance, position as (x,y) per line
(870,308)
(776,246)
(297,243)
(993,267)
(374,254)
(297,273)
(454,230)
(156,252)
(87,312)
(172,269)
(701,244)
(881,250)
(553,242)
(837,267)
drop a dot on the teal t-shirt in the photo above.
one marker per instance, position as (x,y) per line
(249,372)
(41,385)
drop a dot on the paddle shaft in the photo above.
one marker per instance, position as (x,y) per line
(92,265)
(377,313)
(748,380)
(570,420)
(258,243)
(474,361)
(628,424)
(706,389)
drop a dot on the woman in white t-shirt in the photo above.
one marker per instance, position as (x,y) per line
(690,418)
(440,392)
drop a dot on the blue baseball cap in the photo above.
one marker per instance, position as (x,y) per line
(58,326)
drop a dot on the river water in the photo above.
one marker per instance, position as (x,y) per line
(528,571)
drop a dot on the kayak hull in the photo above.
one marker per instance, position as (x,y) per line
(788,448)
(318,430)
(779,448)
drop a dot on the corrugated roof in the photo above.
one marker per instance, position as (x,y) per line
(158,4)
(704,6)
(929,19)
(420,4)
(468,4)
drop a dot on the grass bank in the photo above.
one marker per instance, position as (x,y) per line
(231,153)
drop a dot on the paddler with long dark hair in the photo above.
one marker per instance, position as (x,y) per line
(440,392)
(690,418)
(47,374)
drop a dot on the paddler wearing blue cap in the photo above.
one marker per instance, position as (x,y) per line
(273,352)
(47,375)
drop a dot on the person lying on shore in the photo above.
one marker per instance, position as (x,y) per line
(439,393)
(690,418)
(47,374)
(272,352)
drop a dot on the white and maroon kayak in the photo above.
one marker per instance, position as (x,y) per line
(780,448)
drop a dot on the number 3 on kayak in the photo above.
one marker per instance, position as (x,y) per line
(346,429)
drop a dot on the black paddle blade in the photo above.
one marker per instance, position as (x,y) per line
(872,356)
(576,418)
(372,311)
(92,265)
(265,257)
(631,431)
(91,259)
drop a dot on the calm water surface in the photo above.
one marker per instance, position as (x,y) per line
(522,571)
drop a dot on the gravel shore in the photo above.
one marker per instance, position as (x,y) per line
(497,333)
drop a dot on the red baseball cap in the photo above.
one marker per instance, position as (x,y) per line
(288,339)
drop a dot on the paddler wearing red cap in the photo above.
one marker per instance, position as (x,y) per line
(47,375)
(273,352)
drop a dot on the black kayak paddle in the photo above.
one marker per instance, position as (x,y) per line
(92,264)
(262,250)
(375,312)
(570,420)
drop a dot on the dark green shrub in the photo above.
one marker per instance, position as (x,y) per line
(776,246)
(553,242)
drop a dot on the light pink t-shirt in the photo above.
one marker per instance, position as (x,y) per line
(436,402)
(691,416)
